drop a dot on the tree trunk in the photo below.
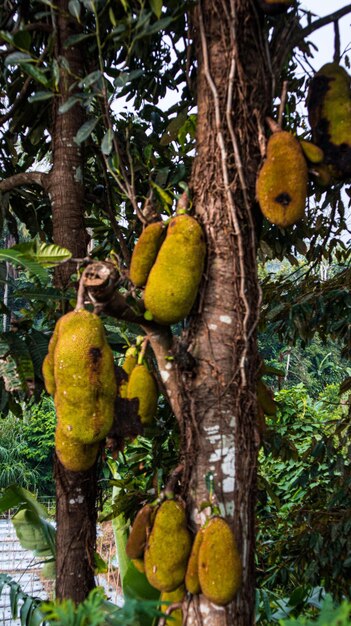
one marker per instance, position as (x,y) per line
(220,436)
(75,491)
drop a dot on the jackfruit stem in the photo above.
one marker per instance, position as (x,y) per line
(273,125)
(141,354)
(183,203)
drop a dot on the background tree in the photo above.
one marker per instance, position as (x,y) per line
(233,61)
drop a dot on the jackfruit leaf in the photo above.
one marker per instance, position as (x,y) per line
(106,144)
(41,95)
(156,7)
(136,585)
(70,102)
(173,128)
(74,7)
(14,495)
(35,533)
(85,131)
(18,58)
(37,74)
(165,198)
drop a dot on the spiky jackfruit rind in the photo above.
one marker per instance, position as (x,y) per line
(220,567)
(192,582)
(313,153)
(142,385)
(173,597)
(174,279)
(84,377)
(145,253)
(168,547)
(74,456)
(48,363)
(329,111)
(139,533)
(281,185)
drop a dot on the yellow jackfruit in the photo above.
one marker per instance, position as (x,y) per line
(74,456)
(142,385)
(140,531)
(192,582)
(281,185)
(145,253)
(83,372)
(129,363)
(168,547)
(174,279)
(173,597)
(313,153)
(220,567)
(329,111)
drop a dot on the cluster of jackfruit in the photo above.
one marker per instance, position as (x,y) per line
(160,545)
(170,267)
(329,111)
(79,372)
(281,185)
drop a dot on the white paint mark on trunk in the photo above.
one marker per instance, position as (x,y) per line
(164,375)
(213,326)
(225,319)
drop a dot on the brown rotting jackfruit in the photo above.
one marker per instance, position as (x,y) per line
(281,185)
(140,531)
(329,111)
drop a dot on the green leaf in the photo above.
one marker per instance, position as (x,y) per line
(37,74)
(66,106)
(34,533)
(74,8)
(90,79)
(49,255)
(14,495)
(18,58)
(156,6)
(136,585)
(106,144)
(16,257)
(85,131)
(41,95)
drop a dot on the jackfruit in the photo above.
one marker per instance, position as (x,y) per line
(281,185)
(273,7)
(48,363)
(74,456)
(329,112)
(313,153)
(142,385)
(220,567)
(192,582)
(129,363)
(173,597)
(174,279)
(145,253)
(84,377)
(140,531)
(168,547)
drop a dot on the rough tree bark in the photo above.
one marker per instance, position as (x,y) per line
(216,403)
(75,491)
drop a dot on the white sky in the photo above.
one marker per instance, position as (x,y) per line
(323,38)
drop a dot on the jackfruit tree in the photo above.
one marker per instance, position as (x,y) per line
(161,215)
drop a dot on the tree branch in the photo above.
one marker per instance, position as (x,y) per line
(22,94)
(322,21)
(23,179)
